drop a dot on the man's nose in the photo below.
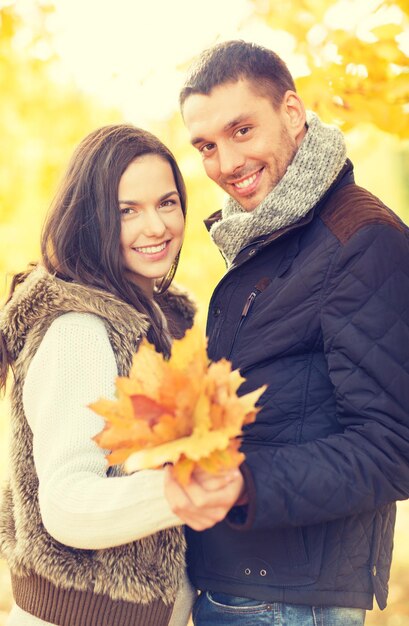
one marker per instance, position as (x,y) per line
(230,159)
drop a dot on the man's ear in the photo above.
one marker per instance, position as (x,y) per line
(294,111)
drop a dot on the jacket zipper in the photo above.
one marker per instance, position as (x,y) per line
(247,306)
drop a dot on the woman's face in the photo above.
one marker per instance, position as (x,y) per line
(152,221)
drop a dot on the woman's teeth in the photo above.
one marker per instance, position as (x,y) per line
(152,249)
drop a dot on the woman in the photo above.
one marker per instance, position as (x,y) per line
(85,546)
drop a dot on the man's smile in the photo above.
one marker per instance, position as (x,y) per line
(247,185)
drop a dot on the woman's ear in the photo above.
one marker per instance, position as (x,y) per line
(294,111)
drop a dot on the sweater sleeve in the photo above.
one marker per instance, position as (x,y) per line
(80,506)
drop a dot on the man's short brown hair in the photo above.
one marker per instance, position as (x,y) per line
(231,61)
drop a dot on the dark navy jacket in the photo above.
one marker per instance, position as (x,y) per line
(320,312)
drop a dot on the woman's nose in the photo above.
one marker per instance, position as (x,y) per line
(154,226)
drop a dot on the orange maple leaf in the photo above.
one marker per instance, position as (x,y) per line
(181,411)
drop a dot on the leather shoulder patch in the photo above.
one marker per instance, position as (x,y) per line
(352,208)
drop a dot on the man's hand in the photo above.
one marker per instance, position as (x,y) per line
(207,498)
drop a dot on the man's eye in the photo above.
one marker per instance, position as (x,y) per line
(208,147)
(243,131)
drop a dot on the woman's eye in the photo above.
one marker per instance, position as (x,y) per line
(167,204)
(127,211)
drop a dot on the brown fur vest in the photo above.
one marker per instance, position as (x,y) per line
(142,571)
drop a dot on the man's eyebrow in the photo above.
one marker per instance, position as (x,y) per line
(236,121)
(161,199)
(231,124)
(196,140)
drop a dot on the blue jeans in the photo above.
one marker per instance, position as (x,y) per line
(219,609)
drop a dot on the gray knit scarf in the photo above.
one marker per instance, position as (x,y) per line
(316,164)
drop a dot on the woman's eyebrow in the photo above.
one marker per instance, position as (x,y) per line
(164,197)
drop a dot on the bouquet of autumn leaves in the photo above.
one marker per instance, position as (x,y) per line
(182,411)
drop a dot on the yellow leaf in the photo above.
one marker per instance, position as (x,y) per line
(180,411)
(146,360)
(196,446)
(387,31)
(183,470)
(190,352)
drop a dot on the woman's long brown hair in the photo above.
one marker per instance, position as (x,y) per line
(81,236)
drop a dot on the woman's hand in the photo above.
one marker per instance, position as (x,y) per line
(206,499)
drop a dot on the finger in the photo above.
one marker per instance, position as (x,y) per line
(223,497)
(175,494)
(198,508)
(204,523)
(179,498)
(213,482)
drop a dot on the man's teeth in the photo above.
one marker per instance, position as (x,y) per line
(152,249)
(247,182)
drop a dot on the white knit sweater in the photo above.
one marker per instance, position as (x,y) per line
(80,507)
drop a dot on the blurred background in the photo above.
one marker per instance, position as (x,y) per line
(69,66)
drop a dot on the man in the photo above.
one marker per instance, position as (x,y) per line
(315,305)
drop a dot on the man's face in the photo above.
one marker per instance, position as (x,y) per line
(246,144)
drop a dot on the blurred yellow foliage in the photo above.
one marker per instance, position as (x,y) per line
(358,71)
(359,80)
(40,122)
